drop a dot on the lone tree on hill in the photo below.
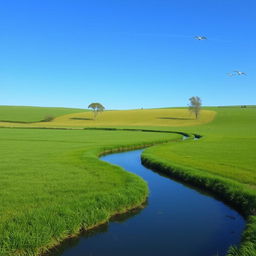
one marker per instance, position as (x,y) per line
(195,105)
(96,108)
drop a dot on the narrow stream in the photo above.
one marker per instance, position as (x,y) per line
(176,221)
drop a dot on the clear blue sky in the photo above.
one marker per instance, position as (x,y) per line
(126,53)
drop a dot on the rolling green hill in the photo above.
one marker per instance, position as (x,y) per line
(116,118)
(42,195)
(26,114)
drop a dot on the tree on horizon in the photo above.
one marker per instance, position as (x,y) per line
(96,108)
(195,105)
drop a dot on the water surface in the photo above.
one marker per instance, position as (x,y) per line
(176,221)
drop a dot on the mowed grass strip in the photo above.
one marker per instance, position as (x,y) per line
(170,117)
(26,114)
(223,161)
(52,184)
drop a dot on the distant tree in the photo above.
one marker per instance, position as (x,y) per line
(195,105)
(96,108)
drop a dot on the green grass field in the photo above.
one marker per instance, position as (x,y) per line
(227,148)
(224,157)
(52,183)
(32,114)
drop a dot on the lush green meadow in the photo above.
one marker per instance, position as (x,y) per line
(52,184)
(227,148)
(223,161)
(25,114)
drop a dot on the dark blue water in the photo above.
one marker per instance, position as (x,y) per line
(176,221)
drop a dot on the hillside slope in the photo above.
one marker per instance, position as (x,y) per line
(25,114)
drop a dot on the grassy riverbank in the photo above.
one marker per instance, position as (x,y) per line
(222,162)
(52,184)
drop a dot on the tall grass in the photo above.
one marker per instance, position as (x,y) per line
(47,166)
(52,184)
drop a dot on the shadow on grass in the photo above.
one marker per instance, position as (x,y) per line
(175,118)
(80,118)
(47,119)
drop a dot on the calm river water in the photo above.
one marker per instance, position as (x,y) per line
(176,221)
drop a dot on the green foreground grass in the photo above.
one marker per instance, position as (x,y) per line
(52,184)
(223,162)
(26,114)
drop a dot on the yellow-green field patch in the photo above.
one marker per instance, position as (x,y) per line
(142,117)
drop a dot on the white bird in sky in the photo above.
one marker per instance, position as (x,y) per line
(200,37)
(239,72)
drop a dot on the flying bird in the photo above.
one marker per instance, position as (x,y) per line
(239,72)
(200,37)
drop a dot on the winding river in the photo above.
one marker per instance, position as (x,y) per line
(176,221)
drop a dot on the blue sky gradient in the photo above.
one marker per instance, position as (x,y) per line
(126,54)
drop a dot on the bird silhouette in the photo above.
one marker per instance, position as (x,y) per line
(200,37)
(239,72)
